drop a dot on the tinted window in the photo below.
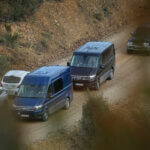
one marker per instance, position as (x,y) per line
(11,79)
(58,85)
(107,54)
(88,61)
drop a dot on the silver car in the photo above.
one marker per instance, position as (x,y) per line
(12,80)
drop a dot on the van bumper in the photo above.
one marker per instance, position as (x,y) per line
(90,84)
(138,50)
(29,114)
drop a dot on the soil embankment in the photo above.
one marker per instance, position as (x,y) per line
(59,27)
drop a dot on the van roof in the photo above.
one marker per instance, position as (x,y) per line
(44,75)
(93,47)
(49,71)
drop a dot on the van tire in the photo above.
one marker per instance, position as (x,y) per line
(45,116)
(97,84)
(67,104)
(111,75)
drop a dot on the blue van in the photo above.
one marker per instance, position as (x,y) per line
(44,91)
(92,64)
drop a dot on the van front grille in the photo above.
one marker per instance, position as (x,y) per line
(22,108)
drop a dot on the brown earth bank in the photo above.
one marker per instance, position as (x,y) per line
(57,28)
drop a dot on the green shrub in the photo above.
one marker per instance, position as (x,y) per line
(4,64)
(98,16)
(13,10)
(9,39)
(42,46)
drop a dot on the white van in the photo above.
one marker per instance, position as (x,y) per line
(12,80)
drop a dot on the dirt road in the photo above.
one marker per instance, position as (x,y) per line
(127,73)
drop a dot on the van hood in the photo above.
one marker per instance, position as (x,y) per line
(28,102)
(81,71)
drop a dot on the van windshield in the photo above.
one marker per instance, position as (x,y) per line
(88,61)
(33,91)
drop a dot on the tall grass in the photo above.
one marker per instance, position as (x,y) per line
(9,39)
(14,10)
(4,64)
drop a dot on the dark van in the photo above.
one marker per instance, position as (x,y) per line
(44,91)
(92,64)
(139,42)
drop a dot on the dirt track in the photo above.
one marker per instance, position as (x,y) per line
(128,72)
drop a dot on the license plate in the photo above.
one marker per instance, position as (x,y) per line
(24,115)
(79,84)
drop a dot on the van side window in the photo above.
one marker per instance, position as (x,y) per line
(104,57)
(58,85)
(107,54)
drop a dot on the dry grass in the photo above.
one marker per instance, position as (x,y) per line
(69,23)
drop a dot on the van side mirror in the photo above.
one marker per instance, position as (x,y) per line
(102,66)
(68,63)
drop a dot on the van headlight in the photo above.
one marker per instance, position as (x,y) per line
(146,44)
(38,107)
(92,77)
(130,43)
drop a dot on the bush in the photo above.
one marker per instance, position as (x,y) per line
(9,39)
(125,127)
(4,64)
(14,10)
(42,46)
(98,16)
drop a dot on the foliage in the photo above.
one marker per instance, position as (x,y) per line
(9,39)
(120,128)
(97,9)
(42,46)
(14,10)
(4,64)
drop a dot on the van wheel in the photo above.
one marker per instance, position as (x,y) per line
(67,104)
(45,116)
(97,85)
(111,75)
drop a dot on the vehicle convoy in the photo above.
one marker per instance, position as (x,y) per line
(92,64)
(12,80)
(44,91)
(140,40)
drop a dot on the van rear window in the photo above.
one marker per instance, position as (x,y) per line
(11,79)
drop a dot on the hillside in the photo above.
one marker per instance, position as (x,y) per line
(58,27)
